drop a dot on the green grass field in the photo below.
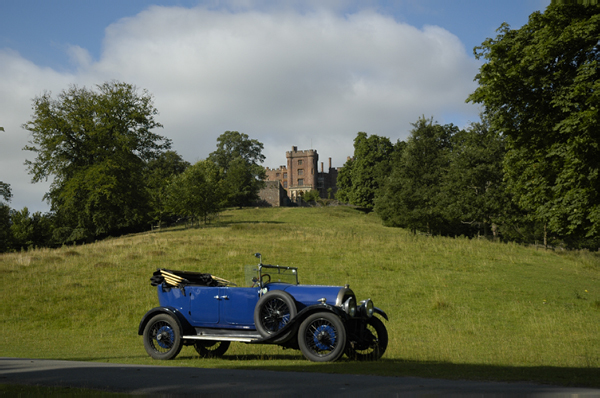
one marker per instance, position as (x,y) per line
(458,308)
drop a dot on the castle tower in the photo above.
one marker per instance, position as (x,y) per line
(301,171)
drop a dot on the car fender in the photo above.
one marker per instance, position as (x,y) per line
(183,323)
(380,312)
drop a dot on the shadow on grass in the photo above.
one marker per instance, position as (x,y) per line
(217,224)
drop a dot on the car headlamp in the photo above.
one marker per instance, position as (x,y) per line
(366,308)
(349,306)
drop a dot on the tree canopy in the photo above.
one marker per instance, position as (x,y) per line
(238,157)
(197,192)
(540,86)
(95,145)
(362,175)
(5,192)
(411,197)
(158,175)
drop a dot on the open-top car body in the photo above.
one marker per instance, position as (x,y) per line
(324,322)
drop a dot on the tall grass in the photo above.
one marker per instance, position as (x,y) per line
(458,308)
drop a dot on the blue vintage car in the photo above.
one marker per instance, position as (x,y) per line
(198,309)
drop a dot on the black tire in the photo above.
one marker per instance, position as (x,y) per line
(371,342)
(211,349)
(273,311)
(322,337)
(162,337)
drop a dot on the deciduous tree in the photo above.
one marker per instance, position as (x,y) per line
(94,145)
(5,233)
(411,196)
(540,86)
(238,157)
(474,190)
(158,174)
(362,177)
(196,193)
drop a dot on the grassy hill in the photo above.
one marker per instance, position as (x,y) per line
(458,308)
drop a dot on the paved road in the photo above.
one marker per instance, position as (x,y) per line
(167,380)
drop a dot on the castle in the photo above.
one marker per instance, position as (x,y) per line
(300,175)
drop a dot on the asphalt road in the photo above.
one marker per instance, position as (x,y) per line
(172,381)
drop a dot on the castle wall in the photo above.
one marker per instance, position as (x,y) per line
(273,194)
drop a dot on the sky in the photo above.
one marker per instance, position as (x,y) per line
(310,74)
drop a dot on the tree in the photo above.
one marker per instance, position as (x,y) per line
(158,175)
(5,192)
(540,86)
(95,145)
(5,233)
(196,193)
(370,164)
(473,186)
(411,196)
(241,183)
(584,2)
(311,196)
(344,182)
(238,157)
(30,230)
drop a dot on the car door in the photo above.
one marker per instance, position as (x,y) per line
(204,305)
(237,306)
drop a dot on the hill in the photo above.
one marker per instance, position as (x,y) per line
(458,308)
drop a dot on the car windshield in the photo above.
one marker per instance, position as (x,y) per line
(270,274)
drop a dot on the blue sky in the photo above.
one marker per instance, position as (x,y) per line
(306,73)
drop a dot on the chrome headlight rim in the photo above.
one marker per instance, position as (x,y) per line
(349,306)
(367,308)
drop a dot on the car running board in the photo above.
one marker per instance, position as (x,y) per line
(243,339)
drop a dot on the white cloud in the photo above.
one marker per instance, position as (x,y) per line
(284,78)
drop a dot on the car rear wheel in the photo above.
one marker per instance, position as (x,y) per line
(371,342)
(162,337)
(273,311)
(322,337)
(211,349)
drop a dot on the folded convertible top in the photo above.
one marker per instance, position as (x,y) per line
(182,278)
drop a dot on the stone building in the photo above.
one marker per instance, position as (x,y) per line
(301,174)
(273,194)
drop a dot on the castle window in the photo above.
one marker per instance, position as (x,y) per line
(300,172)
(285,184)
(285,175)
(300,181)
(299,162)
(277,175)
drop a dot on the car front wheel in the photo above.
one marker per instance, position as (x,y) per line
(322,337)
(162,337)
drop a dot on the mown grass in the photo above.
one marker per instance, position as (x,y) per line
(458,308)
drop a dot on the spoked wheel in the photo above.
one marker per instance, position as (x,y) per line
(273,311)
(162,337)
(211,349)
(322,337)
(371,341)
